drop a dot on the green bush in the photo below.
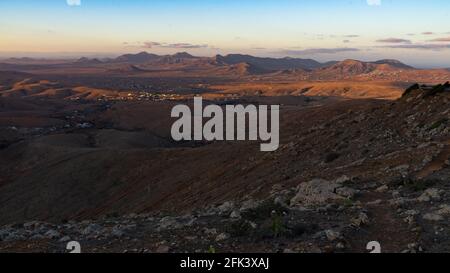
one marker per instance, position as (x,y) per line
(417,185)
(239,228)
(438,124)
(264,211)
(277,225)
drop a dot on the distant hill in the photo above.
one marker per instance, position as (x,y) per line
(394,63)
(183,55)
(128,68)
(137,58)
(244,69)
(272,64)
(20,60)
(266,64)
(88,61)
(13,76)
(177,58)
(348,68)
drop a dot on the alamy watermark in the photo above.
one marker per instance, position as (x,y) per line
(241,123)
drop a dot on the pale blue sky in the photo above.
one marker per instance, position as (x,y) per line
(320,29)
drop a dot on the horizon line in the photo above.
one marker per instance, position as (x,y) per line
(73,55)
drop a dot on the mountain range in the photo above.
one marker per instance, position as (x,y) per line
(183,64)
(258,64)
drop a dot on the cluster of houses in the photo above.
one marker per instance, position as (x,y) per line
(133,96)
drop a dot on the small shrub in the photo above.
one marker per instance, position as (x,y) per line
(331,157)
(348,203)
(417,185)
(113,214)
(211,250)
(300,229)
(264,211)
(438,124)
(239,228)
(277,225)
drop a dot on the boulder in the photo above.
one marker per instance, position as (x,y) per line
(430,195)
(320,192)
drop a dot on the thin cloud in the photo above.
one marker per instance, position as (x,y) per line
(151,44)
(420,46)
(314,51)
(172,45)
(394,41)
(184,46)
(427,33)
(446,39)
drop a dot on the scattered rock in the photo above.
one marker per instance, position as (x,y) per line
(433,217)
(382,189)
(396,194)
(117,231)
(222,237)
(320,192)
(225,208)
(13,237)
(249,204)
(343,179)
(444,209)
(401,168)
(235,214)
(340,246)
(64,239)
(332,235)
(375,203)
(52,234)
(210,231)
(281,201)
(91,229)
(163,249)
(361,220)
(168,223)
(438,215)
(32,225)
(346,192)
(430,195)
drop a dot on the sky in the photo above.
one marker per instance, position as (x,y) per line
(416,32)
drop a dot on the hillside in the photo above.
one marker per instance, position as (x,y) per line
(381,159)
(350,68)
(269,64)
